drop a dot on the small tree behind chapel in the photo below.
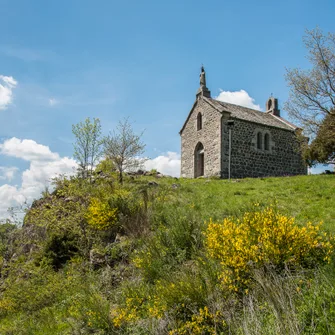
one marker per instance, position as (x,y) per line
(88,145)
(124,148)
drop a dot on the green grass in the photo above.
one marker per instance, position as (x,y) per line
(168,237)
(307,198)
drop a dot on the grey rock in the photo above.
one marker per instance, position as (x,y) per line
(153,183)
(97,259)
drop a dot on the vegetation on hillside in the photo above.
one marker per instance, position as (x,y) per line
(312,96)
(167,256)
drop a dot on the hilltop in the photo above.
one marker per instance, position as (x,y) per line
(150,257)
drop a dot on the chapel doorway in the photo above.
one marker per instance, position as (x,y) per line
(199,160)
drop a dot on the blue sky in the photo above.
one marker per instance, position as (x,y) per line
(62,61)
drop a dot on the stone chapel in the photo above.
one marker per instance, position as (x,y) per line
(227,140)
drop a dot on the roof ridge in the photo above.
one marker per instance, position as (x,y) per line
(279,118)
(229,103)
(208,100)
(284,121)
(243,113)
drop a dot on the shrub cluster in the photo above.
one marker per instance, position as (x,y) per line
(204,322)
(100,215)
(190,300)
(140,259)
(263,238)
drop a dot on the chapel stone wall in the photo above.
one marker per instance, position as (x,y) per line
(282,157)
(209,136)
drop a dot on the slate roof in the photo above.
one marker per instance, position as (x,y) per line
(247,114)
(251,115)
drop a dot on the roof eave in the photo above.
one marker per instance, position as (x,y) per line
(188,117)
(194,105)
(291,125)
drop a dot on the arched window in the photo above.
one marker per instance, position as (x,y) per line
(199,160)
(199,121)
(259,140)
(267,142)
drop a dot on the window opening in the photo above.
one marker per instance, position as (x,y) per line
(199,160)
(199,121)
(259,140)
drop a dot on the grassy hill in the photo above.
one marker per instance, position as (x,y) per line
(172,256)
(304,197)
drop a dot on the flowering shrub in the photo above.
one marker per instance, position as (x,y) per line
(100,215)
(201,323)
(152,259)
(134,306)
(6,306)
(179,297)
(262,238)
(124,201)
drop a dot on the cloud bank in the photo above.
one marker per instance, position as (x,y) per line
(44,165)
(168,164)
(7,85)
(7,173)
(241,98)
(27,150)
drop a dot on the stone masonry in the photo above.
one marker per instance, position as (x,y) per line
(209,136)
(262,143)
(282,159)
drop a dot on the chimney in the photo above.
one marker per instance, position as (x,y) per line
(272,106)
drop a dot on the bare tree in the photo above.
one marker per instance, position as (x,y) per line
(88,145)
(123,147)
(312,94)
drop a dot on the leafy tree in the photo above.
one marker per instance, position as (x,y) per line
(88,145)
(322,149)
(312,95)
(107,167)
(123,147)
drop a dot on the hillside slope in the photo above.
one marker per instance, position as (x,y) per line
(150,257)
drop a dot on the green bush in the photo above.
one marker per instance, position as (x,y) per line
(60,248)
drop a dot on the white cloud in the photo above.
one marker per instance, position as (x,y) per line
(7,173)
(241,98)
(28,150)
(53,102)
(44,165)
(39,174)
(168,164)
(7,84)
(9,197)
